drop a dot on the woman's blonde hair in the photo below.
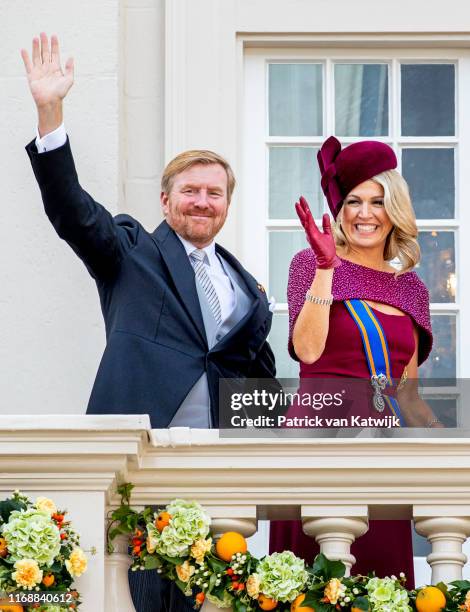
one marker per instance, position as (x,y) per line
(402,241)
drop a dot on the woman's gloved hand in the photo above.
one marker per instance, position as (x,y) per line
(323,244)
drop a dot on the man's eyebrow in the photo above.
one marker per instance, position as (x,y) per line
(210,187)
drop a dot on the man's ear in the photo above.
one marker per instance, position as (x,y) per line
(164,202)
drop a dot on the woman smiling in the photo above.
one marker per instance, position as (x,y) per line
(355,316)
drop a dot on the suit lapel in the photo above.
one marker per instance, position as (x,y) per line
(256,311)
(181,272)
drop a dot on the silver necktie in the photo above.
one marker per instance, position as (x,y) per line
(197,260)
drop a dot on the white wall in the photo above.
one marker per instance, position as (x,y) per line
(51,332)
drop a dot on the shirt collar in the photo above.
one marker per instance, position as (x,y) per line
(189,247)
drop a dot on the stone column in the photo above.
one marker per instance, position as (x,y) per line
(335,528)
(447,535)
(117,593)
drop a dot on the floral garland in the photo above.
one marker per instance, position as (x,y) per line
(40,556)
(176,543)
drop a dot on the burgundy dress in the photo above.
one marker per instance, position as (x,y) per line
(387,546)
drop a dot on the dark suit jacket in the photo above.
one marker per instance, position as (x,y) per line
(156,348)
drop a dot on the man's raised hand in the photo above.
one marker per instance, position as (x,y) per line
(48,83)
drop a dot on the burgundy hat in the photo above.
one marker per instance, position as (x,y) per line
(343,169)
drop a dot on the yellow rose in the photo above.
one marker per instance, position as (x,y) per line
(46,505)
(27,573)
(151,543)
(200,548)
(185,571)
(77,563)
(252,586)
(333,590)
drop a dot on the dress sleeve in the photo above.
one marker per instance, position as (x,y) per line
(301,274)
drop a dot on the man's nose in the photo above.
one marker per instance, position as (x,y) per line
(201,198)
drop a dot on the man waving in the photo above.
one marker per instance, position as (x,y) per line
(180,311)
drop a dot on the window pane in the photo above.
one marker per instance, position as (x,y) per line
(361,99)
(437,265)
(293,171)
(445,410)
(282,248)
(286,367)
(295,99)
(428,99)
(441,363)
(433,193)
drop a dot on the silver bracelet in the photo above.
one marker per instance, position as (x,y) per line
(318,300)
(432,421)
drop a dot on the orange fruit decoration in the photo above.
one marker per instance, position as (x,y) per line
(229,544)
(162,521)
(48,580)
(430,599)
(296,605)
(265,603)
(11,608)
(200,597)
(3,547)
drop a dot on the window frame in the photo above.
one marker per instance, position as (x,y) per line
(255,221)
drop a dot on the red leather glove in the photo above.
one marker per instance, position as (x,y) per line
(323,244)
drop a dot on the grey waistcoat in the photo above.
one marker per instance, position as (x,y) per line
(195,409)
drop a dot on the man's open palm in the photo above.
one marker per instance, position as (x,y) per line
(48,83)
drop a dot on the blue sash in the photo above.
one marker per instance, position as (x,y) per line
(377,354)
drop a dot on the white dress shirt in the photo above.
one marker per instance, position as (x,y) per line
(220,280)
(214,267)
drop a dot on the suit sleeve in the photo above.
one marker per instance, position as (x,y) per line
(264,365)
(85,225)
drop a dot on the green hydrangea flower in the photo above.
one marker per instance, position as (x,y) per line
(188,523)
(282,576)
(226,602)
(31,534)
(385,595)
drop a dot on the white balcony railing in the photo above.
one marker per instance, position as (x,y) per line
(334,485)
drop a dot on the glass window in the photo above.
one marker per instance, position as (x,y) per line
(437,265)
(361,99)
(295,99)
(286,367)
(441,363)
(433,193)
(283,246)
(428,99)
(293,171)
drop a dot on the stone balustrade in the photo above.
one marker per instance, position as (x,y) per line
(333,485)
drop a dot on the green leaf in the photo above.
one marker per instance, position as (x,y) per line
(327,569)
(238,606)
(7,506)
(212,581)
(216,565)
(152,562)
(442,586)
(124,491)
(172,560)
(361,603)
(461,585)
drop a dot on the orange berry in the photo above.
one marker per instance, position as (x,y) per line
(266,603)
(241,586)
(3,548)
(162,521)
(63,536)
(229,544)
(48,580)
(200,597)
